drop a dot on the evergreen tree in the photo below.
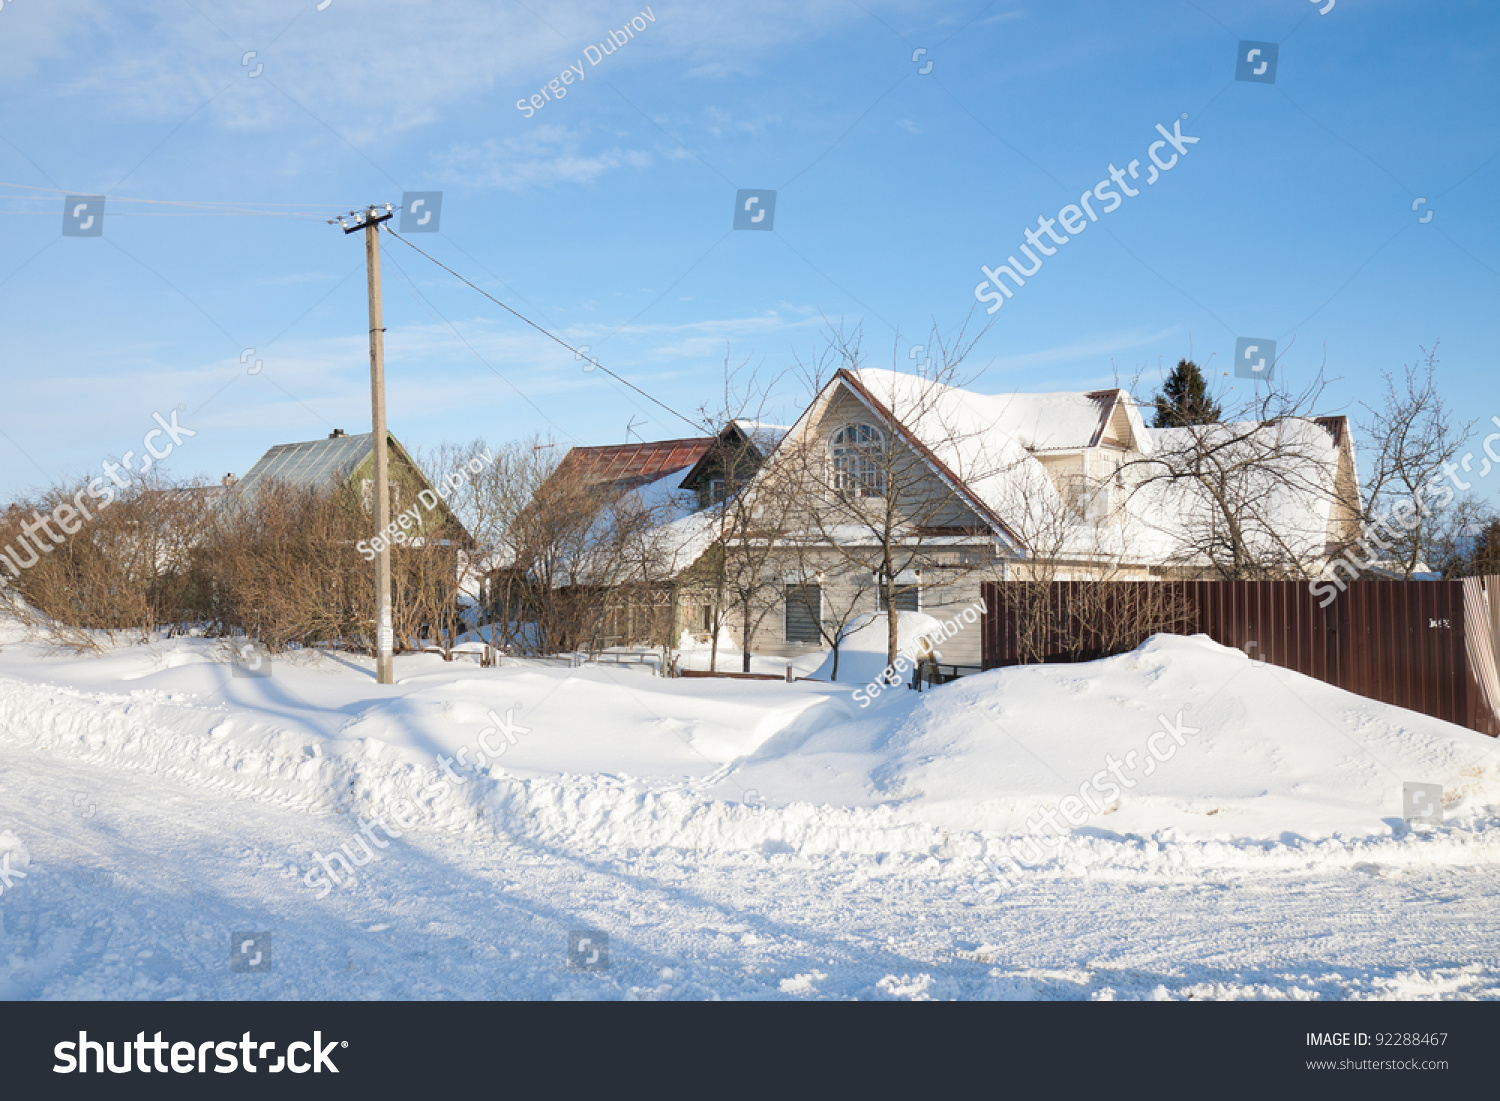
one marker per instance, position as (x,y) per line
(1484,556)
(1184,398)
(1470,550)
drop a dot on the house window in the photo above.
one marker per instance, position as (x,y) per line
(367,494)
(857,451)
(804,612)
(1076,492)
(715,490)
(908,598)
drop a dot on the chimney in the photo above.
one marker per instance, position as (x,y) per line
(228,481)
(336,434)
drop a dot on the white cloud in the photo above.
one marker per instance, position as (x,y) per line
(1086,350)
(545,154)
(160,60)
(721,122)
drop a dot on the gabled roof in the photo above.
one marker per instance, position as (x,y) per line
(758,440)
(324,464)
(947,426)
(315,464)
(629,465)
(988,449)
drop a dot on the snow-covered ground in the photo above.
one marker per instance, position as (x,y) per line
(736,839)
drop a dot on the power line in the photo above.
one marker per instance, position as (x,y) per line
(174,202)
(422,300)
(184,214)
(293,209)
(307,211)
(555,339)
(426,303)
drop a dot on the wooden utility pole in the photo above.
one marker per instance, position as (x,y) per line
(385,664)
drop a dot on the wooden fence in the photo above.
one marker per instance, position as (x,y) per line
(1425,645)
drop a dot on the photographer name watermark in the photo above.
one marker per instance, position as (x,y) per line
(397,530)
(895,672)
(557,87)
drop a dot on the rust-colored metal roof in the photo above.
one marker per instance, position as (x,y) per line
(628,465)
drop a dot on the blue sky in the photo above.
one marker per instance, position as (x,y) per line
(606,216)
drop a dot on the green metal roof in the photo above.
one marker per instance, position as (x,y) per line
(316,464)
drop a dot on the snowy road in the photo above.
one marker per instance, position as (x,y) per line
(136,882)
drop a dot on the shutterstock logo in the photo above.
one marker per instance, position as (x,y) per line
(83,216)
(754,208)
(1257,62)
(74,1057)
(421,211)
(588,950)
(250,952)
(1254,357)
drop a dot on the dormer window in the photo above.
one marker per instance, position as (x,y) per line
(857,452)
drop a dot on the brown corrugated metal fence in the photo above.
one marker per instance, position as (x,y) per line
(1425,645)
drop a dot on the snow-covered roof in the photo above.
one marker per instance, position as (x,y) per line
(684,531)
(1045,421)
(1069,420)
(765,435)
(657,481)
(1283,515)
(672,538)
(987,447)
(963,437)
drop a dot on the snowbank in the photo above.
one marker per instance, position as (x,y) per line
(1263,753)
(1213,760)
(862,645)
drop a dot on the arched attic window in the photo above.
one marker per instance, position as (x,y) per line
(858,455)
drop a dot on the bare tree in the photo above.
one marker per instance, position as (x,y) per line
(741,533)
(1410,437)
(124,566)
(447,562)
(837,607)
(574,553)
(1465,539)
(285,570)
(1235,494)
(1072,591)
(878,496)
(653,549)
(754,536)
(1051,526)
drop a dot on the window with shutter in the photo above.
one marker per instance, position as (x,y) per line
(908,599)
(804,610)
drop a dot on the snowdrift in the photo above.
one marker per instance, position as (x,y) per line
(862,648)
(1181,754)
